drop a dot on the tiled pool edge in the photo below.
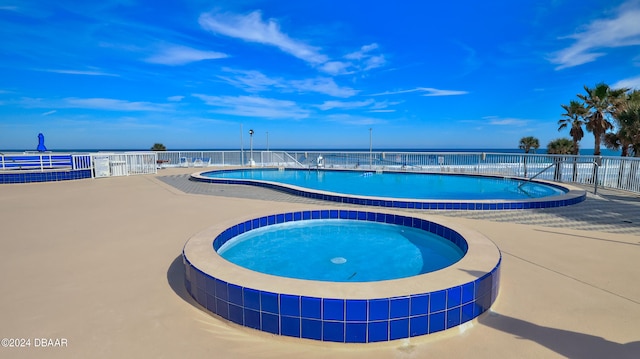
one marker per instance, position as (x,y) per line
(347,320)
(572,196)
(47,176)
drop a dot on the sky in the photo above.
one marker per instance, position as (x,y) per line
(193,74)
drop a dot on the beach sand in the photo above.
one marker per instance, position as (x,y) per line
(97,262)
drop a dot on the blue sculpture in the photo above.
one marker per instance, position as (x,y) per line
(41,147)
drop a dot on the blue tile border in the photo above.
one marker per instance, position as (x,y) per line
(48,176)
(339,319)
(569,198)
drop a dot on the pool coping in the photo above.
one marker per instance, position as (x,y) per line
(572,195)
(481,257)
(348,312)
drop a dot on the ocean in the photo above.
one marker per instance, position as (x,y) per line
(584,152)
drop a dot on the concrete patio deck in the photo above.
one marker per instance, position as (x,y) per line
(97,262)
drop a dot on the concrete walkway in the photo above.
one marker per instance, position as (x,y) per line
(97,262)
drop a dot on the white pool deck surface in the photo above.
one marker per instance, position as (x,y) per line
(97,263)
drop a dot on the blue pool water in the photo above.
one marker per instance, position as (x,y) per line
(398,185)
(340,250)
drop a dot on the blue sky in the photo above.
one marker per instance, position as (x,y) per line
(124,74)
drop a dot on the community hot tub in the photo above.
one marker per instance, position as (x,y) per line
(348,310)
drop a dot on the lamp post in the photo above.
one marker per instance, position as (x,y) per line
(241,148)
(268,154)
(370,151)
(251,162)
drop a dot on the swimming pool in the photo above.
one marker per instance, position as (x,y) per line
(405,190)
(341,250)
(346,312)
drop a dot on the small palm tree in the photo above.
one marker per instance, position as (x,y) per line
(158,147)
(529,142)
(526,144)
(561,146)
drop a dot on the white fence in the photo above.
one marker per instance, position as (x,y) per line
(44,161)
(124,164)
(102,164)
(611,172)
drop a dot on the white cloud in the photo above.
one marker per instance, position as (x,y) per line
(382,111)
(112,104)
(436,92)
(363,60)
(255,81)
(180,55)
(79,72)
(355,120)
(49,113)
(631,82)
(253,106)
(374,62)
(323,85)
(362,53)
(509,121)
(252,81)
(591,43)
(175,98)
(252,28)
(336,68)
(93,104)
(330,105)
(429,91)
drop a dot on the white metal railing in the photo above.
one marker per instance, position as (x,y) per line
(611,172)
(35,161)
(124,164)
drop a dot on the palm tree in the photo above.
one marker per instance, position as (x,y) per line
(526,144)
(561,146)
(574,117)
(529,142)
(602,103)
(627,135)
(616,141)
(158,147)
(629,122)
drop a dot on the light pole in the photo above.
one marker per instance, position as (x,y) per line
(241,148)
(251,162)
(370,150)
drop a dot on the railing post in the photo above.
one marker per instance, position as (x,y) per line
(595,185)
